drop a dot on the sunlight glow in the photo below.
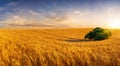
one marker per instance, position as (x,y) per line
(114,24)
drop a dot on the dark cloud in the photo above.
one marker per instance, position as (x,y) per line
(31,25)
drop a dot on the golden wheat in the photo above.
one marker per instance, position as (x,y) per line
(57,47)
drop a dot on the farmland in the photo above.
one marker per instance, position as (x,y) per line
(57,47)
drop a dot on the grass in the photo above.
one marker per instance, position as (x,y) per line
(57,47)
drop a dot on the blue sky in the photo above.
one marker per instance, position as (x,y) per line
(59,13)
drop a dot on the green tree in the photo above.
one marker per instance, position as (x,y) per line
(98,34)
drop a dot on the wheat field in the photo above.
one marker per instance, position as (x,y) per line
(57,47)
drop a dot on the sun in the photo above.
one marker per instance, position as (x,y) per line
(114,24)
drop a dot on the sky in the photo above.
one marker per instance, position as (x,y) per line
(59,13)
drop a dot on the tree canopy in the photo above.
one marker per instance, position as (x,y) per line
(98,34)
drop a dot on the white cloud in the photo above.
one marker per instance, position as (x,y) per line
(16,20)
(33,13)
(20,21)
(77,12)
(109,10)
(12,4)
(53,14)
(1,8)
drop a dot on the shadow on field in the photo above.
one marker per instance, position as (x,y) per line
(78,40)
